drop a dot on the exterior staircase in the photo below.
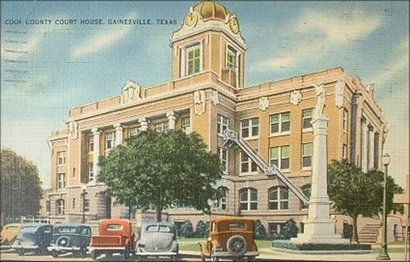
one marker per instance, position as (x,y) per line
(369,233)
(231,137)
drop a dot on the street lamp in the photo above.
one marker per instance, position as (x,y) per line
(83,194)
(383,251)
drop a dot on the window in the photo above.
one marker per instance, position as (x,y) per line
(306,190)
(248,199)
(48,206)
(186,124)
(110,140)
(307,118)
(61,182)
(90,143)
(162,126)
(222,201)
(73,203)
(60,158)
(90,171)
(193,59)
(86,207)
(307,152)
(247,165)
(223,156)
(222,124)
(280,157)
(231,58)
(344,151)
(280,123)
(275,229)
(278,198)
(250,127)
(345,120)
(133,131)
(60,207)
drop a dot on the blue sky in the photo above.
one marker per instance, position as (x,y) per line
(67,65)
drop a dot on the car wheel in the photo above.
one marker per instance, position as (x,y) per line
(20,252)
(54,253)
(236,245)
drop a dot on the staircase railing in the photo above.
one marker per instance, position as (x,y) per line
(231,137)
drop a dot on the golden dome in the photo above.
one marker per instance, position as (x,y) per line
(212,10)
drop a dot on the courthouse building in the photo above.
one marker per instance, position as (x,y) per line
(207,95)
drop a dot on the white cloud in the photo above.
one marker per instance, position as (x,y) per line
(103,40)
(317,31)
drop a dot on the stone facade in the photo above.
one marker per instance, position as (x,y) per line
(207,95)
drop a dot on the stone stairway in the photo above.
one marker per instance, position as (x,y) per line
(369,233)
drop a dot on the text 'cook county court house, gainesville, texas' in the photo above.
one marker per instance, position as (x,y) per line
(207,95)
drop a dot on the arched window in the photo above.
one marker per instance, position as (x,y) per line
(306,189)
(248,199)
(278,198)
(60,207)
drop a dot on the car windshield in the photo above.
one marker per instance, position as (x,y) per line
(114,227)
(236,226)
(158,228)
(29,229)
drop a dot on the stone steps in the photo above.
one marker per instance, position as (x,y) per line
(369,233)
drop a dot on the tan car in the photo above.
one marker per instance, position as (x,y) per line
(9,233)
(230,238)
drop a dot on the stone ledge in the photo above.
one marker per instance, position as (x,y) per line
(288,247)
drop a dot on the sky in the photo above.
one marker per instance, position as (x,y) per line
(48,66)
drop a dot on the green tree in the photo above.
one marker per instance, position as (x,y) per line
(162,169)
(20,186)
(357,193)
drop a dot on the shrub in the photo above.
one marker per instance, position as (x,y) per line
(260,230)
(202,229)
(187,230)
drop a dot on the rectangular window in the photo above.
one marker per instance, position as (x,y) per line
(280,123)
(307,152)
(250,128)
(162,126)
(231,58)
(86,207)
(247,165)
(90,143)
(186,124)
(280,157)
(344,151)
(345,120)
(90,171)
(222,124)
(110,140)
(307,118)
(223,156)
(61,182)
(61,158)
(73,205)
(193,61)
(133,131)
(48,206)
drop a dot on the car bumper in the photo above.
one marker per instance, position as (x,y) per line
(156,254)
(106,249)
(229,255)
(60,249)
(25,247)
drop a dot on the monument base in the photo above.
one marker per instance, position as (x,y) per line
(319,232)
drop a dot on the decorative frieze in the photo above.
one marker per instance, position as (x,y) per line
(73,129)
(296,97)
(131,92)
(263,103)
(199,102)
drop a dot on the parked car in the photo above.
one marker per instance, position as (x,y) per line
(73,238)
(230,238)
(115,236)
(33,237)
(9,233)
(158,240)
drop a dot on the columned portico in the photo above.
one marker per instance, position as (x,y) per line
(96,135)
(118,134)
(171,120)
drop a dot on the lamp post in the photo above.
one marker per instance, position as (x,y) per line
(83,194)
(383,251)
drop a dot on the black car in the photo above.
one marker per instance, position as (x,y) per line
(33,237)
(73,238)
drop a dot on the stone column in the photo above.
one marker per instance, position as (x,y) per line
(118,134)
(370,159)
(171,120)
(96,154)
(319,227)
(364,153)
(144,124)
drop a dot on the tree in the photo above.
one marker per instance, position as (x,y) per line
(260,230)
(20,186)
(186,230)
(162,169)
(357,193)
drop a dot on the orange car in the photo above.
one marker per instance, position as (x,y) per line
(9,233)
(230,238)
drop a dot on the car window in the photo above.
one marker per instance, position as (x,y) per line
(164,229)
(85,231)
(152,228)
(114,227)
(158,228)
(29,229)
(12,228)
(236,226)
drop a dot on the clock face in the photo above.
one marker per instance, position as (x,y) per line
(191,19)
(234,25)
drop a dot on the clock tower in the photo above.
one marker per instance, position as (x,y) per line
(209,40)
